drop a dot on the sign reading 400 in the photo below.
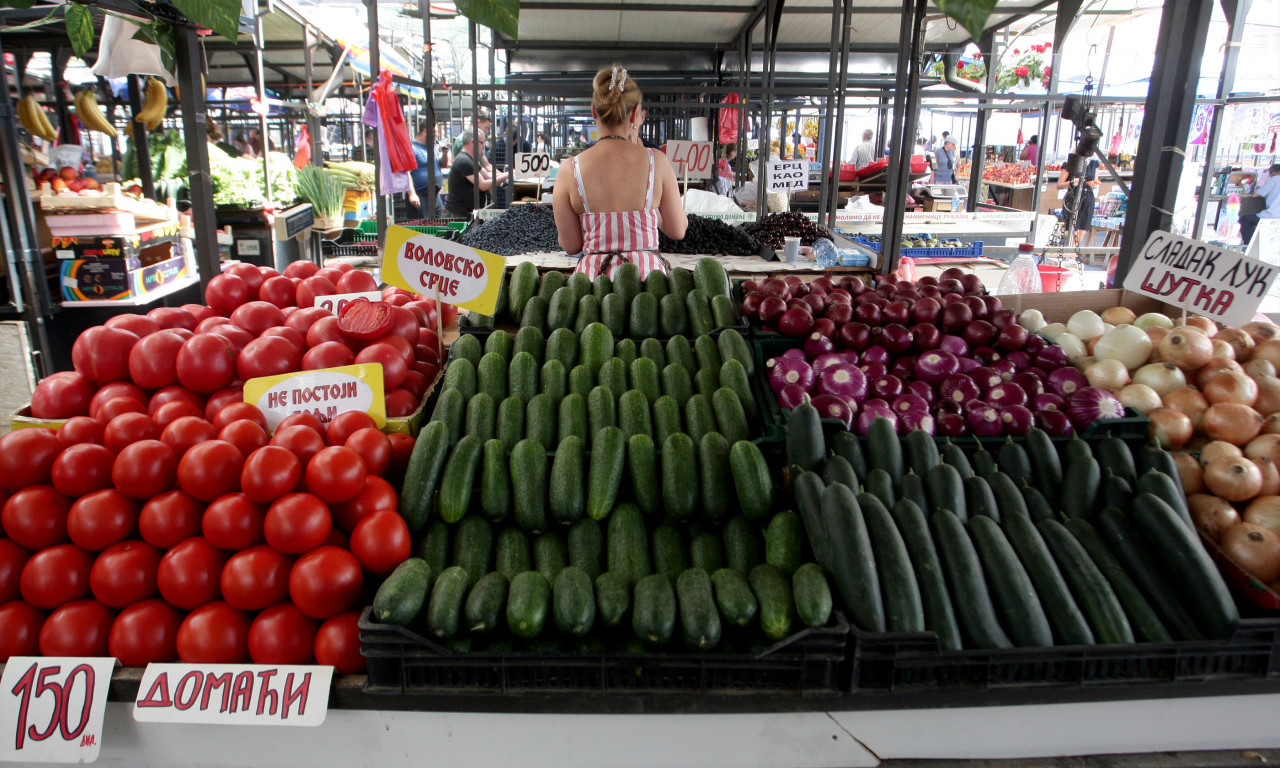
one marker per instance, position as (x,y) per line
(441,268)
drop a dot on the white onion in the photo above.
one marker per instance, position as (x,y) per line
(1086,325)
(1109,374)
(1162,377)
(1127,343)
(1052,331)
(1032,320)
(1153,320)
(1072,345)
(1139,397)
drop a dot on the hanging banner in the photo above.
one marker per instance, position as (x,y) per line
(51,708)
(1209,280)
(435,267)
(1201,120)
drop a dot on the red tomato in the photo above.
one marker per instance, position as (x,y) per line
(82,469)
(206,362)
(100,519)
(79,628)
(400,403)
(21,635)
(128,428)
(186,431)
(302,441)
(335,474)
(118,406)
(80,429)
(153,361)
(249,274)
(330,274)
(398,300)
(326,329)
(401,345)
(236,411)
(102,353)
(278,291)
(448,314)
(393,363)
(401,450)
(281,634)
(145,633)
(325,582)
(257,316)
(232,522)
(268,356)
(55,576)
(404,325)
(346,424)
(380,541)
(145,469)
(301,269)
(139,325)
(125,573)
(303,418)
(338,644)
(36,517)
(356,281)
(62,396)
(377,494)
(427,338)
(238,336)
(269,473)
(172,411)
(12,560)
(305,317)
(211,322)
(338,539)
(255,578)
(166,395)
(327,354)
(175,317)
(295,338)
(424,354)
(245,435)
(342,267)
(221,399)
(429,371)
(415,383)
(189,572)
(214,634)
(225,292)
(169,518)
(310,288)
(373,447)
(26,457)
(296,523)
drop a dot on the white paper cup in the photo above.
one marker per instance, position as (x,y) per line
(791,246)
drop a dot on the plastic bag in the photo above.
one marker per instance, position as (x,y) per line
(121,54)
(727,120)
(302,158)
(394,129)
(1022,276)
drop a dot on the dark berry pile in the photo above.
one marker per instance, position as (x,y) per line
(520,229)
(711,237)
(774,227)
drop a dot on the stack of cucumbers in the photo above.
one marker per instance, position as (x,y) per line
(1033,544)
(576,482)
(631,305)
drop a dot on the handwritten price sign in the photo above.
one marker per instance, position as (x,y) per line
(786,175)
(530,165)
(337,301)
(234,694)
(691,158)
(51,709)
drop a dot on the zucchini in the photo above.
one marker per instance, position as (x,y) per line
(808,488)
(608,454)
(952,455)
(586,546)
(742,547)
(680,476)
(784,541)
(1038,506)
(642,464)
(426,462)
(529,485)
(854,572)
(983,462)
(751,480)
(613,599)
(1115,492)
(1142,617)
(899,591)
(963,571)
(653,611)
(573,602)
(1112,453)
(1014,462)
(1069,624)
(714,476)
(946,490)
(495,481)
(1008,499)
(1046,466)
(777,608)
(444,607)
(528,603)
(837,470)
(880,485)
(1080,483)
(847,446)
(567,485)
(1092,592)
(921,451)
(812,595)
(1015,597)
(459,478)
(884,450)
(699,619)
(1167,489)
(1140,563)
(979,500)
(737,603)
(486,604)
(939,616)
(399,600)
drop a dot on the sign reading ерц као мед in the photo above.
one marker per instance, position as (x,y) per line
(1209,280)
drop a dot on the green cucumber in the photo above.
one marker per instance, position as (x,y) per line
(1046,465)
(706,552)
(777,607)
(743,549)
(613,374)
(707,353)
(1073,449)
(491,375)
(643,323)
(495,481)
(1014,462)
(680,476)
(653,349)
(951,454)
(723,313)
(572,419)
(613,313)
(627,350)
(903,608)
(1115,492)
(499,342)
(1141,565)
(681,281)
(580,283)
(847,446)
(699,619)
(588,313)
(706,381)
(939,616)
(399,600)
(644,377)
(433,547)
(512,553)
(699,419)
(473,547)
(523,286)
(812,595)
(1038,506)
(979,500)
(530,340)
(714,475)
(1112,453)
(837,470)
(535,315)
(734,598)
(1092,592)
(1008,499)
(1167,489)
(608,455)
(946,490)
(656,283)
(626,281)
(880,485)
(529,485)
(733,346)
(426,462)
(653,610)
(751,480)
(1152,456)
(642,465)
(921,452)
(510,422)
(963,571)
(1069,624)
(444,607)
(562,345)
(627,544)
(595,345)
(602,286)
(573,602)
(528,603)
(551,282)
(677,383)
(602,411)
(673,316)
(784,542)
(461,375)
(459,478)
(613,599)
(1080,485)
(568,481)
(701,321)
(581,382)
(522,376)
(540,420)
(912,484)
(731,417)
(633,414)
(486,604)
(561,309)
(667,548)
(710,276)
(550,555)
(1015,597)
(853,570)
(666,418)
(808,488)
(586,546)
(733,376)
(466,347)
(481,412)
(884,450)
(1143,619)
(680,352)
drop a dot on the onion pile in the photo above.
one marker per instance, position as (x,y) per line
(928,356)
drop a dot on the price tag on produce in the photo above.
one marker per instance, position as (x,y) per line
(324,393)
(51,708)
(788,175)
(234,694)
(530,165)
(1216,282)
(433,266)
(337,301)
(693,159)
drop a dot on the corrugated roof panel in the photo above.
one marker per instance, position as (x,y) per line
(652,27)
(599,26)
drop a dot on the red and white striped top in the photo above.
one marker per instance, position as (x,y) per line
(625,235)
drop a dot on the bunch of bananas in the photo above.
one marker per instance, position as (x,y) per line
(155,105)
(33,118)
(354,175)
(90,117)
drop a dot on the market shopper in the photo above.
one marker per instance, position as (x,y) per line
(619,195)
(944,171)
(1031,152)
(421,176)
(466,174)
(865,153)
(1270,192)
(1082,206)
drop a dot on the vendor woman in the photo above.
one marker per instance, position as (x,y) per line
(619,195)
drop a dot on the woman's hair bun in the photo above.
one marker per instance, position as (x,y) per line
(614,95)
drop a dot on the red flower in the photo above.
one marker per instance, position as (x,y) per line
(1016,51)
(959,66)
(1022,72)
(1047,46)
(1047,71)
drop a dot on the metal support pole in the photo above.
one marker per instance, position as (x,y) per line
(195,128)
(978,159)
(766,79)
(846,34)
(1037,189)
(1230,57)
(375,67)
(58,93)
(141,147)
(313,122)
(424,7)
(473,37)
(260,78)
(906,107)
(1171,94)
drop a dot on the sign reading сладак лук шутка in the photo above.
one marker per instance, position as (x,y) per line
(1209,280)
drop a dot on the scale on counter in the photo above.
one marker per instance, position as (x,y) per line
(293,228)
(946,191)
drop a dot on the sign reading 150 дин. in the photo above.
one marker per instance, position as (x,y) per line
(435,267)
(1220,284)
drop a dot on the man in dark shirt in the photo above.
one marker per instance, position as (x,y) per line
(465,177)
(421,176)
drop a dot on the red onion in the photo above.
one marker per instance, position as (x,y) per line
(949,406)
(750,285)
(854,336)
(926,336)
(979,309)
(986,377)
(867,416)
(896,338)
(926,310)
(823,360)
(1006,394)
(1051,358)
(927,280)
(978,333)
(816,302)
(771,309)
(932,292)
(903,367)
(791,395)
(973,404)
(854,285)
(1006,369)
(1056,423)
(795,322)
(873,370)
(1048,402)
(956,316)
(984,421)
(1031,384)
(985,355)
(959,388)
(839,296)
(1011,337)
(1019,359)
(967,364)
(774,287)
(833,407)
(850,356)
(885,289)
(910,421)
(795,352)
(897,312)
(955,345)
(1017,420)
(921,390)
(824,282)
(887,386)
(950,285)
(1066,381)
(876,354)
(825,326)
(994,304)
(952,425)
(909,401)
(793,280)
(786,371)
(876,404)
(839,312)
(1091,404)
(1034,344)
(934,366)
(972,283)
(868,313)
(816,344)
(908,296)
(1004,317)
(841,379)
(751,303)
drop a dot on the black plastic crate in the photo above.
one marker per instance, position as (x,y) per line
(809,663)
(912,662)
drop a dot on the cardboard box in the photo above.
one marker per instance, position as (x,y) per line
(1059,307)
(125,247)
(116,279)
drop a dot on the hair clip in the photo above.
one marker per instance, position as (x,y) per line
(618,79)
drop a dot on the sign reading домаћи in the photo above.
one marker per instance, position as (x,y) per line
(1221,284)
